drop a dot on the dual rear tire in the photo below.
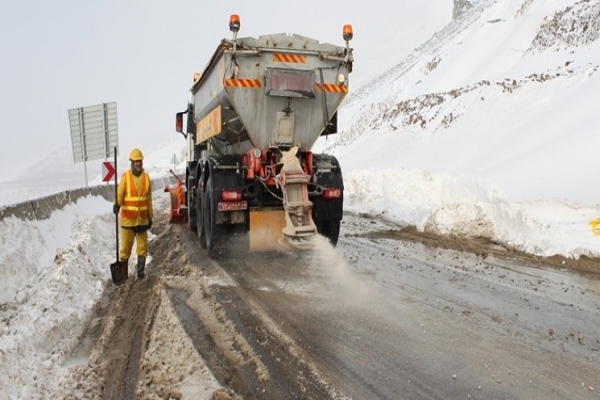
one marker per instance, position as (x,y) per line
(212,232)
(206,224)
(200,216)
(330,229)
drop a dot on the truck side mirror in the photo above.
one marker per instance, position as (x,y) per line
(179,122)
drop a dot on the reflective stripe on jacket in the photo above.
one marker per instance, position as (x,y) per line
(135,198)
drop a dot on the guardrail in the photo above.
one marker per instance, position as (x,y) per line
(41,208)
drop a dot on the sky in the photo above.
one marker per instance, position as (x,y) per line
(512,160)
(142,55)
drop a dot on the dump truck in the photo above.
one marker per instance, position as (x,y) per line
(255,112)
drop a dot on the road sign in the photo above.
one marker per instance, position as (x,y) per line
(94,131)
(108,171)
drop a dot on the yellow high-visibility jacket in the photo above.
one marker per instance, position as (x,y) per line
(134,195)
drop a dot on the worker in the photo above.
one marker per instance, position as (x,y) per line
(134,200)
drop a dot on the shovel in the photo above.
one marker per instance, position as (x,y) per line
(118,269)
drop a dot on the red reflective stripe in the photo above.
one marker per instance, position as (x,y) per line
(289,58)
(134,214)
(333,88)
(243,83)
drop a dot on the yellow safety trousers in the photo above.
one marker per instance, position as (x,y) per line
(128,236)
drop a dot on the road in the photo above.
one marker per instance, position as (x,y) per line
(387,314)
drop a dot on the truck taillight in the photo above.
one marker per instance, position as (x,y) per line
(231,195)
(347,32)
(234,23)
(332,193)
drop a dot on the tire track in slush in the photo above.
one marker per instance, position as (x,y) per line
(127,339)
(285,376)
(298,320)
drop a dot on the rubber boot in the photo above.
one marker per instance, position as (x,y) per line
(141,264)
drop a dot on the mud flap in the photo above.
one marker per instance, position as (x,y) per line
(266,228)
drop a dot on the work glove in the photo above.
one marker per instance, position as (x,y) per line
(116,208)
(149,223)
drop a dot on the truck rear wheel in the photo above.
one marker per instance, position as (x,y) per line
(214,234)
(330,229)
(200,217)
(190,201)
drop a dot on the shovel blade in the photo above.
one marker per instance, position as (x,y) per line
(118,272)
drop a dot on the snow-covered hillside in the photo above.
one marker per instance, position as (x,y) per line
(507,92)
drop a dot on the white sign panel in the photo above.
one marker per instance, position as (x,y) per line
(94,131)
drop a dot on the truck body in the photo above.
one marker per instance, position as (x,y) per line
(255,112)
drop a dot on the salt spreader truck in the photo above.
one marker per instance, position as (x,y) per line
(255,113)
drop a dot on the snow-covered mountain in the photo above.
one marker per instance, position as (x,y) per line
(508,92)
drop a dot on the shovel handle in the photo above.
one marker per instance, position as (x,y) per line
(116,202)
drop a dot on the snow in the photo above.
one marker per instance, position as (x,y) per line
(505,153)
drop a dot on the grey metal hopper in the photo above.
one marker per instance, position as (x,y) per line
(272,91)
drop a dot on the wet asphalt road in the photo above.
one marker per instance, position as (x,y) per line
(386,319)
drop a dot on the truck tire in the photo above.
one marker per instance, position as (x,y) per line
(190,202)
(200,217)
(214,236)
(330,229)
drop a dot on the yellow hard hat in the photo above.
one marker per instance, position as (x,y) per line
(136,155)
